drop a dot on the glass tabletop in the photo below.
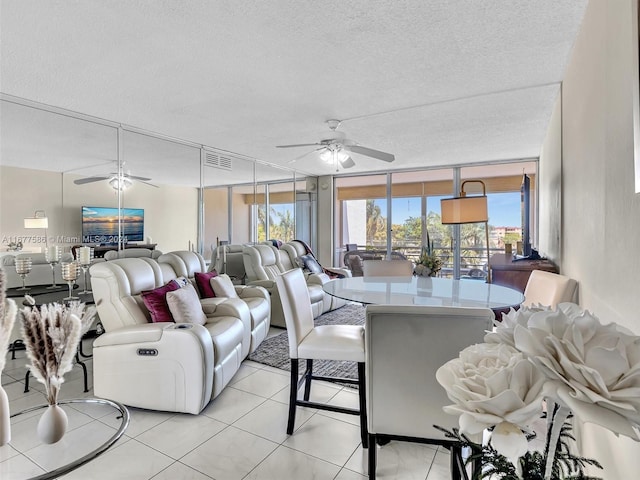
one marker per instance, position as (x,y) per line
(94,425)
(418,290)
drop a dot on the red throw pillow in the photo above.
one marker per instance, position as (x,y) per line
(156,302)
(204,286)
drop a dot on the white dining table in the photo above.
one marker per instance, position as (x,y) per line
(419,290)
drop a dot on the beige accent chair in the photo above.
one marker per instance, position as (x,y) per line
(387,268)
(187,263)
(324,342)
(550,289)
(263,265)
(177,367)
(405,345)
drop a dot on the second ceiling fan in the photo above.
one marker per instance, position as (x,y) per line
(336,149)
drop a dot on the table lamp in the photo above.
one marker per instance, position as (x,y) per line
(463,209)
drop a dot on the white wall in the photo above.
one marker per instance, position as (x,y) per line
(600,211)
(171,215)
(549,184)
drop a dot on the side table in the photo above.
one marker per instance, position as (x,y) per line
(89,439)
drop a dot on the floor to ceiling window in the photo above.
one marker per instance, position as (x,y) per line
(401,212)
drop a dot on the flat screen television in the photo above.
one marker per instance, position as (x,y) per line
(100,225)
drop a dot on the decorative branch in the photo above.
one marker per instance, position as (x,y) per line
(51,335)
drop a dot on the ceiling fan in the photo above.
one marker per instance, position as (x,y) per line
(118,182)
(335,149)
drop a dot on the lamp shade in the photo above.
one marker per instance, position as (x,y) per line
(464,210)
(36,222)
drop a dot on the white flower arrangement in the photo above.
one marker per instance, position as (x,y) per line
(573,361)
(51,335)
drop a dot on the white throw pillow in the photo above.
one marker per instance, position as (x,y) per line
(223,286)
(185,307)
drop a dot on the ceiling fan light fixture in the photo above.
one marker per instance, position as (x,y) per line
(120,183)
(334,155)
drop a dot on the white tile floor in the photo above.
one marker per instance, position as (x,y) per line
(239,435)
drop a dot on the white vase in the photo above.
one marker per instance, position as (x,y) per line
(5,418)
(52,425)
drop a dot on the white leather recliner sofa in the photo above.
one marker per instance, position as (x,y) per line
(187,264)
(263,265)
(176,367)
(294,250)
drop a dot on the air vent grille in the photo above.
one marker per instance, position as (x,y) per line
(216,160)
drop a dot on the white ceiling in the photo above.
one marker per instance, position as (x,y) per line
(441,82)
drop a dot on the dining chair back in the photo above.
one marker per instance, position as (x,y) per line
(405,345)
(323,342)
(387,268)
(546,288)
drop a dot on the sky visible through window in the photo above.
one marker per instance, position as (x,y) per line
(504,208)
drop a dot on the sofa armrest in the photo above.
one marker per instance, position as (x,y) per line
(317,279)
(339,271)
(237,308)
(252,291)
(158,366)
(270,285)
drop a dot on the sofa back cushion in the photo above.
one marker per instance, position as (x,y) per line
(223,286)
(204,285)
(184,305)
(156,302)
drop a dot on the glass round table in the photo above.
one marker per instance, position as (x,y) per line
(418,290)
(95,424)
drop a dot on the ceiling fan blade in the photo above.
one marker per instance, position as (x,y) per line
(305,154)
(142,179)
(370,152)
(146,183)
(347,162)
(82,181)
(298,145)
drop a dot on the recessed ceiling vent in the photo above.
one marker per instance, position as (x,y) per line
(216,160)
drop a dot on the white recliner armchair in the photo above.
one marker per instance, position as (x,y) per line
(295,251)
(187,264)
(176,367)
(263,265)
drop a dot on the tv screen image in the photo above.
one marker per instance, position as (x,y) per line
(100,224)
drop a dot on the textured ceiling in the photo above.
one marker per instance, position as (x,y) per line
(436,83)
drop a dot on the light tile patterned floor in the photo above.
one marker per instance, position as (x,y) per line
(239,435)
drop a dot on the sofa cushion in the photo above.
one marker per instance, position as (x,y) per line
(156,302)
(308,263)
(202,281)
(223,286)
(185,307)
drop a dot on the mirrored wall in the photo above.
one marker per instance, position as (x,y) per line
(89,175)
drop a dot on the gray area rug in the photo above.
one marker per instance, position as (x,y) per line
(274,351)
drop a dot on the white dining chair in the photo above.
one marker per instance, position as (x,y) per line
(546,288)
(404,346)
(387,268)
(323,342)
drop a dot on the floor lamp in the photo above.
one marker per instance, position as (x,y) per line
(463,209)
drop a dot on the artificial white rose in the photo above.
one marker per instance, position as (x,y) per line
(595,368)
(503,330)
(492,384)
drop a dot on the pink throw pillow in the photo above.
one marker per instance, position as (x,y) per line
(156,302)
(204,287)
